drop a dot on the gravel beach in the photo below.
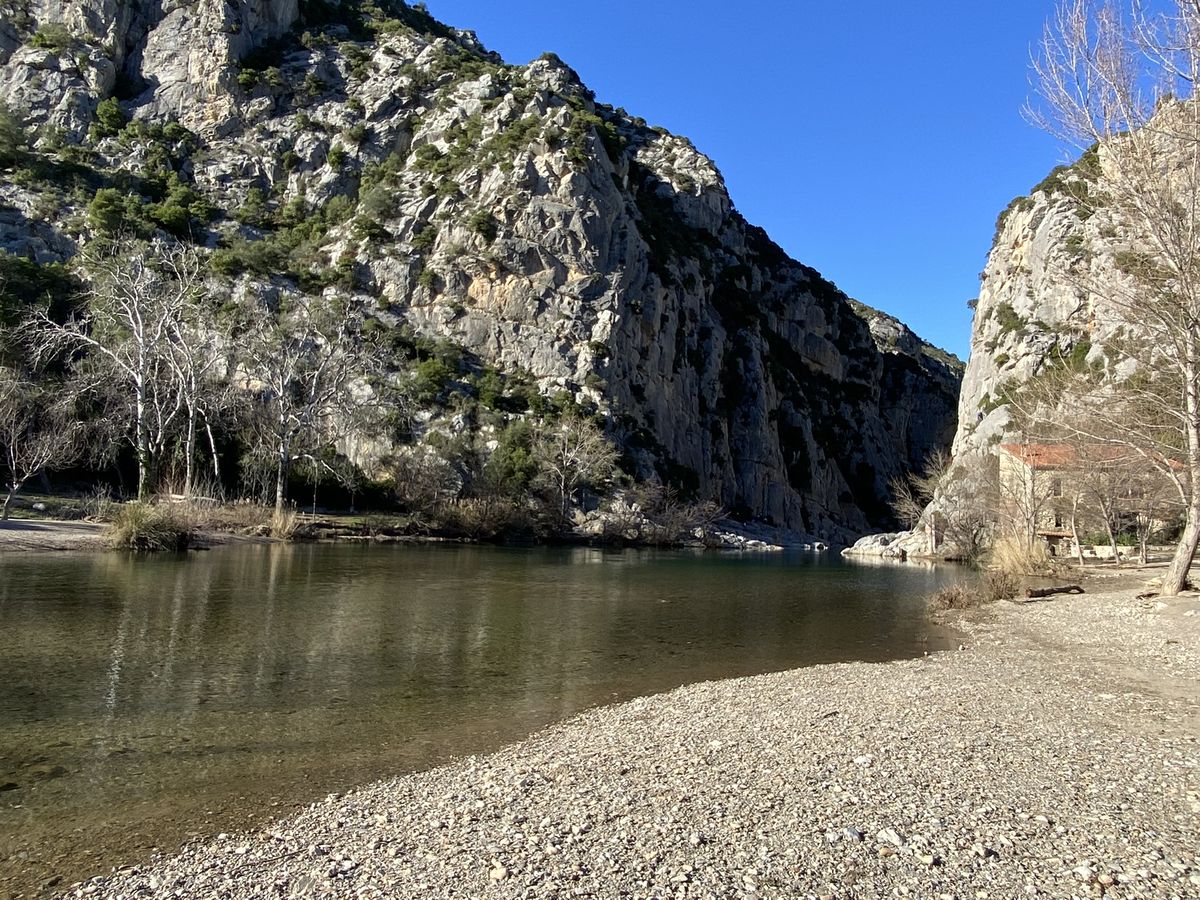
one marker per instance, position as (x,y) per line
(1057,754)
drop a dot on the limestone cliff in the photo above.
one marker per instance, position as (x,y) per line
(1037,307)
(1030,310)
(365,148)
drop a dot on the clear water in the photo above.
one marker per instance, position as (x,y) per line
(148,700)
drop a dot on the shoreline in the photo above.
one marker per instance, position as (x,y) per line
(1057,755)
(80,536)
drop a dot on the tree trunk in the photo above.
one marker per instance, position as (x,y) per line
(143,443)
(280,482)
(189,452)
(216,459)
(281,477)
(13,489)
(1112,537)
(1075,531)
(1177,573)
(1176,576)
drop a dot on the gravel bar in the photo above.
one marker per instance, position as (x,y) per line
(1056,755)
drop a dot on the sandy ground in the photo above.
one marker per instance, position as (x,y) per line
(1056,755)
(48,534)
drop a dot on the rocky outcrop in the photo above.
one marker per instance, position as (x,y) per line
(502,209)
(61,58)
(1029,311)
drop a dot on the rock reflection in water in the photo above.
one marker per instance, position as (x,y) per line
(148,699)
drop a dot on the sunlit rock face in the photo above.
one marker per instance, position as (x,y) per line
(501,208)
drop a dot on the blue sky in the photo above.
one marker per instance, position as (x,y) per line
(875,141)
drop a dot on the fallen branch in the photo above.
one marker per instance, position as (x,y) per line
(1033,593)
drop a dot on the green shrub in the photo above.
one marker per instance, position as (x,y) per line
(484,224)
(110,118)
(512,466)
(429,158)
(113,212)
(24,283)
(314,86)
(140,526)
(490,388)
(1008,318)
(52,36)
(336,157)
(424,239)
(253,210)
(427,279)
(14,140)
(430,380)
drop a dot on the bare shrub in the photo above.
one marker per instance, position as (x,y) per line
(652,513)
(99,505)
(422,480)
(1000,585)
(241,517)
(956,596)
(380,525)
(480,517)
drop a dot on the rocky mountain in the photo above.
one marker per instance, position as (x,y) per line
(1030,311)
(1039,308)
(366,149)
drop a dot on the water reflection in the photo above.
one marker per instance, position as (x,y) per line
(144,699)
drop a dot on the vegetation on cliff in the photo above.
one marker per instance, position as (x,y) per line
(494,251)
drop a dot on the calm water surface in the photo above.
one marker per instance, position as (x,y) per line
(148,700)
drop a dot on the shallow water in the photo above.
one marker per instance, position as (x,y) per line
(148,700)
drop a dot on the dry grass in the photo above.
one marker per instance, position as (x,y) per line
(285,524)
(1017,557)
(140,526)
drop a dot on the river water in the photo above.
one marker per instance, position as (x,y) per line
(148,700)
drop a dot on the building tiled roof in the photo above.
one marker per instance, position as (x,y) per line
(1056,456)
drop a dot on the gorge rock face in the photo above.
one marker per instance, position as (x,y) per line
(60,58)
(502,209)
(1044,299)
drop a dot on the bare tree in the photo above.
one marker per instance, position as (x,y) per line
(1153,504)
(1109,78)
(572,452)
(138,298)
(307,365)
(912,493)
(962,517)
(197,353)
(38,430)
